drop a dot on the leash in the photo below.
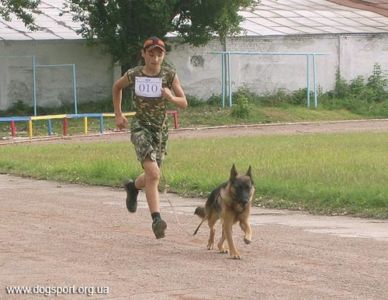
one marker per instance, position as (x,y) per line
(164,180)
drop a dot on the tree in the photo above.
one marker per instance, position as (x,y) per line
(122,25)
(21,9)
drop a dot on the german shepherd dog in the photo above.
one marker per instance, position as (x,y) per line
(230,202)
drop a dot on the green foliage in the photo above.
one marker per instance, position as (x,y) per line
(377,84)
(280,97)
(18,108)
(197,21)
(122,25)
(244,92)
(241,107)
(21,9)
(341,88)
(365,97)
(194,101)
(299,97)
(357,85)
(214,100)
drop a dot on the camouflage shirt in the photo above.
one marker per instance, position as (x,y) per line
(150,111)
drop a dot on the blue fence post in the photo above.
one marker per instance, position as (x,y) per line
(223,79)
(308,80)
(226,82)
(49,127)
(229,81)
(56,66)
(34,84)
(102,123)
(75,90)
(315,83)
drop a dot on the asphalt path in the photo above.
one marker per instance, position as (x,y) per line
(76,240)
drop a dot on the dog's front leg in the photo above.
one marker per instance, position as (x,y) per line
(228,228)
(221,242)
(211,222)
(246,227)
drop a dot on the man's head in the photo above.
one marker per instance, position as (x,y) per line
(153,52)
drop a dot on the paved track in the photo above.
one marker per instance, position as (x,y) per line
(64,235)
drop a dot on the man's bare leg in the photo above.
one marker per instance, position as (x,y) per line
(149,181)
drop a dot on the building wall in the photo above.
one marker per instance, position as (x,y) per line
(359,53)
(353,54)
(54,85)
(199,70)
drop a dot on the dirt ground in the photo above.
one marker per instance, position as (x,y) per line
(377,125)
(77,240)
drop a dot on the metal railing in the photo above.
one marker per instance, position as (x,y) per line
(226,82)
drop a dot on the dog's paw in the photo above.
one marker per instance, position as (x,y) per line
(224,251)
(210,246)
(234,254)
(247,241)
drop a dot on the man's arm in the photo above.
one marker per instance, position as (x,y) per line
(117,95)
(179,99)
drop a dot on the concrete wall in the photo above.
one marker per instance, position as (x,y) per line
(198,69)
(54,86)
(359,53)
(353,54)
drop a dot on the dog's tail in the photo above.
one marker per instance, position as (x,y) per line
(200,212)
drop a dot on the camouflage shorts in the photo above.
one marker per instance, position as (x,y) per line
(149,143)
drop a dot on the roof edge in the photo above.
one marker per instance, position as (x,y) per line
(363,5)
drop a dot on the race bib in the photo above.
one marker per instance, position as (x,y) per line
(149,87)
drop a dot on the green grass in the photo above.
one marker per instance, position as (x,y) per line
(320,173)
(214,116)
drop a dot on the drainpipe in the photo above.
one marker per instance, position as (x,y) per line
(339,54)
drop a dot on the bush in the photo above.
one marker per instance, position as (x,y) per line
(299,97)
(194,101)
(241,107)
(377,84)
(364,97)
(244,92)
(18,109)
(278,98)
(341,89)
(214,101)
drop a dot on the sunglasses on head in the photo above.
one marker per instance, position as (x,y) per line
(154,42)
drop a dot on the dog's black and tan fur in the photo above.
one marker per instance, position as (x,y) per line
(230,202)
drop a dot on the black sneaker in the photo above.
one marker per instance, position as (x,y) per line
(159,227)
(132,192)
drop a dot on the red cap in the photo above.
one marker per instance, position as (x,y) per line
(154,42)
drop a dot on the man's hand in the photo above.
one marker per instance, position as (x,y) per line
(167,94)
(121,121)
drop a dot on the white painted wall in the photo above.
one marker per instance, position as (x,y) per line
(354,54)
(360,52)
(198,69)
(54,86)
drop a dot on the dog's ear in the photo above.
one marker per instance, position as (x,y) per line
(233,172)
(249,172)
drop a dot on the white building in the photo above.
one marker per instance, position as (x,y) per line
(352,39)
